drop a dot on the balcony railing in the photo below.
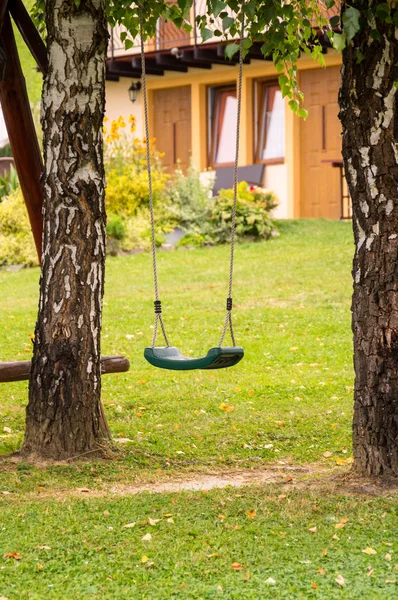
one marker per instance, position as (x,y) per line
(167,35)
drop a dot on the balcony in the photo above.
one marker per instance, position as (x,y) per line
(188,48)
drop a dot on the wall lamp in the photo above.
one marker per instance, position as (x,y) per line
(133,90)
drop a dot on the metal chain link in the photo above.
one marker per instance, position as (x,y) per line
(228,317)
(158,317)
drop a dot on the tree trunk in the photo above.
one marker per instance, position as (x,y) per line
(64,411)
(369,114)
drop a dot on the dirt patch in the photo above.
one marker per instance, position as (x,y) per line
(335,480)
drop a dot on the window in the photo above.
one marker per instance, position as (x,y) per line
(222,125)
(270,123)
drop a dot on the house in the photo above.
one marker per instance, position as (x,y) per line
(192,115)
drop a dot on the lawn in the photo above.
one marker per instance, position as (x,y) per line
(290,398)
(288,403)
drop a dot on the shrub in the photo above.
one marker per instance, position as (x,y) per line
(16,240)
(188,200)
(125,167)
(8,183)
(252,214)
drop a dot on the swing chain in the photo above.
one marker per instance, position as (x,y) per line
(228,317)
(157,303)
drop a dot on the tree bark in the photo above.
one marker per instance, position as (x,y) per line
(369,115)
(64,413)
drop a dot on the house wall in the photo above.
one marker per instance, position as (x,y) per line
(284,179)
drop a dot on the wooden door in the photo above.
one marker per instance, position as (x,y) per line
(320,142)
(172,126)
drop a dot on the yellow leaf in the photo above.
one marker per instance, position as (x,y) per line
(314,586)
(39,566)
(340,580)
(312,530)
(388,556)
(335,537)
(324,552)
(251,514)
(246,577)
(321,571)
(146,538)
(144,559)
(369,551)
(106,513)
(229,409)
(339,526)
(236,566)
(14,555)
(222,517)
(129,525)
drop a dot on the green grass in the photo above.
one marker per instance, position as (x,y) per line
(292,399)
(33,79)
(71,550)
(292,393)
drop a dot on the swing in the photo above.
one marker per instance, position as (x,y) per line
(170,357)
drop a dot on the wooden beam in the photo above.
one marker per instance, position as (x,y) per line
(170,63)
(150,66)
(20,370)
(210,56)
(29,33)
(21,130)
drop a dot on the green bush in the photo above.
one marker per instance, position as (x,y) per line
(8,183)
(188,200)
(16,240)
(252,214)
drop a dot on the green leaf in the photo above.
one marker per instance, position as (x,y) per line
(339,41)
(227,22)
(206,34)
(294,105)
(330,3)
(280,67)
(218,6)
(351,24)
(128,44)
(302,113)
(231,50)
(334,21)
(282,80)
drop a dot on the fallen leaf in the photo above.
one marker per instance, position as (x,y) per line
(236,566)
(340,580)
(370,572)
(43,547)
(146,538)
(344,520)
(369,551)
(387,543)
(83,490)
(281,496)
(153,521)
(314,586)
(106,513)
(226,407)
(246,577)
(324,552)
(321,571)
(344,461)
(170,520)
(388,556)
(288,479)
(270,581)
(212,555)
(386,581)
(251,514)
(39,566)
(144,559)
(339,526)
(312,529)
(335,537)
(7,430)
(327,454)
(396,568)
(14,555)
(129,525)
(222,517)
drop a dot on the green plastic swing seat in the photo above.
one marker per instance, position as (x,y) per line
(169,357)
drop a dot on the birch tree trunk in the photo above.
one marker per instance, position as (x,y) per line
(369,114)
(64,411)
